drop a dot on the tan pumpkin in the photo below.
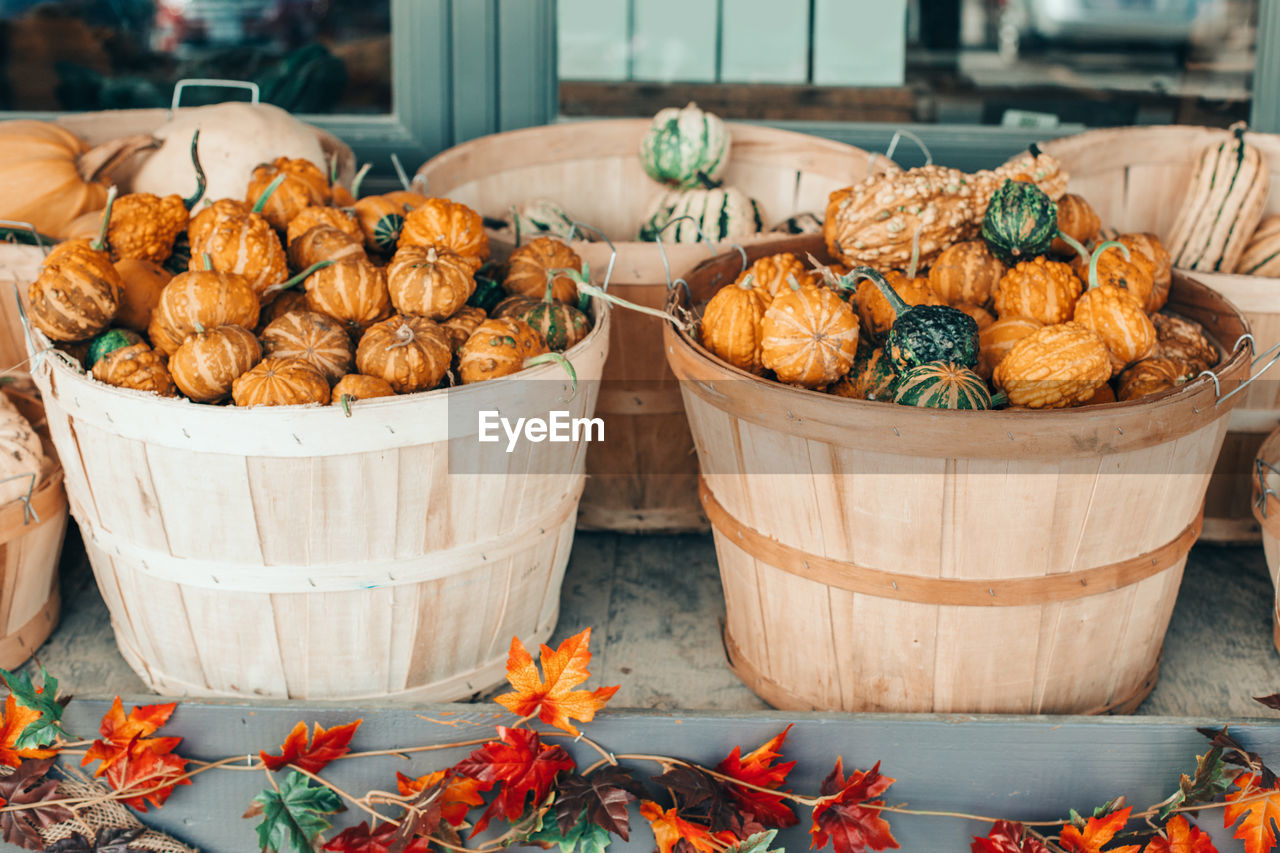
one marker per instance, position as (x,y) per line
(430,282)
(449,225)
(1184,340)
(357,386)
(1152,376)
(1261,255)
(1114,314)
(409,353)
(498,347)
(774,273)
(247,246)
(304,185)
(1054,367)
(1150,246)
(1078,220)
(78,290)
(315,338)
(205,299)
(137,367)
(461,324)
(809,337)
(1039,289)
(206,219)
(352,292)
(293,299)
(310,217)
(280,382)
(995,341)
(209,361)
(48,175)
(875,311)
(531,265)
(966,272)
(1135,273)
(731,324)
(143,282)
(324,243)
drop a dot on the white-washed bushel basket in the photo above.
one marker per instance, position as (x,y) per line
(1136,178)
(295,552)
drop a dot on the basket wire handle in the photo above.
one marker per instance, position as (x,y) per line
(29,513)
(195,82)
(27,226)
(662,250)
(1261,466)
(897,137)
(575,226)
(1272,352)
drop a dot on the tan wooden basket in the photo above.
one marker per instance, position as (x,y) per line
(295,552)
(886,558)
(30,546)
(1266,511)
(1136,178)
(643,477)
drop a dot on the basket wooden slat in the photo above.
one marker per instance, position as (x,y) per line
(1136,179)
(855,538)
(1266,512)
(643,477)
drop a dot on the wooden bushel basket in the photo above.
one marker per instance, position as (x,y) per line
(1136,178)
(1266,510)
(295,552)
(643,477)
(887,558)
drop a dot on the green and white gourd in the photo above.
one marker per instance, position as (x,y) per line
(683,148)
(722,213)
(542,218)
(938,385)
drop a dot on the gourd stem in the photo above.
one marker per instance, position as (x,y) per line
(208,261)
(359,179)
(1097,253)
(302,276)
(266,194)
(748,281)
(345,399)
(100,242)
(201,180)
(1080,248)
(547,357)
(400,173)
(791,280)
(592,290)
(899,305)
(999,399)
(915,255)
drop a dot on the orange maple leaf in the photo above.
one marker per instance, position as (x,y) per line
(459,795)
(16,718)
(326,745)
(1181,837)
(554,701)
(669,828)
(757,768)
(1097,832)
(131,761)
(1261,815)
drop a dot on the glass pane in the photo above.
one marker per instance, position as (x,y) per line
(1037,63)
(309,56)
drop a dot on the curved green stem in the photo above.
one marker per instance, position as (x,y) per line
(899,305)
(359,179)
(302,276)
(207,260)
(1097,253)
(592,290)
(100,242)
(1080,248)
(559,359)
(748,281)
(266,194)
(201,180)
(915,255)
(345,401)
(400,173)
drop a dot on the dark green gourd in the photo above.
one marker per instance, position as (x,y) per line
(1020,223)
(924,333)
(942,386)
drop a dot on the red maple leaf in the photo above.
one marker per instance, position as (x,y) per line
(1181,837)
(359,839)
(669,829)
(758,769)
(522,764)
(131,760)
(1098,831)
(16,718)
(554,701)
(326,745)
(1007,837)
(459,795)
(843,819)
(1261,815)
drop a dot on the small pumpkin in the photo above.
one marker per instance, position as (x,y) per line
(357,386)
(1078,220)
(409,353)
(324,243)
(1152,376)
(995,341)
(1128,270)
(201,299)
(310,217)
(207,219)
(304,185)
(773,274)
(1115,315)
(808,337)
(209,361)
(280,382)
(685,147)
(531,265)
(924,333)
(461,324)
(143,282)
(294,299)
(731,324)
(353,292)
(1054,367)
(315,338)
(1021,222)
(449,225)
(871,377)
(247,246)
(1040,289)
(78,290)
(1184,340)
(1149,245)
(144,225)
(966,272)
(498,347)
(108,342)
(430,282)
(381,221)
(938,385)
(137,367)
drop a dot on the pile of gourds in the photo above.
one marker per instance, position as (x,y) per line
(1020,292)
(301,294)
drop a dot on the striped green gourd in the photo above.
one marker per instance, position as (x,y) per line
(685,147)
(560,325)
(1020,222)
(541,218)
(722,213)
(923,333)
(939,385)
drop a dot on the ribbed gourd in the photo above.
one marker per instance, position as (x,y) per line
(938,385)
(1021,222)
(731,324)
(772,274)
(808,337)
(995,341)
(714,214)
(1152,376)
(1262,254)
(1042,290)
(1078,220)
(1116,315)
(966,272)
(685,147)
(925,333)
(1054,367)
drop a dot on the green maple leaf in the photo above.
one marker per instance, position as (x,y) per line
(758,843)
(44,731)
(583,836)
(1211,781)
(292,817)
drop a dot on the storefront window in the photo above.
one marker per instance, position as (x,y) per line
(308,56)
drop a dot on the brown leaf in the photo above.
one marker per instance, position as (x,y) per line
(1272,701)
(28,786)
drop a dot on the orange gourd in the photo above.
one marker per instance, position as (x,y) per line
(201,299)
(995,341)
(1039,289)
(324,243)
(430,282)
(498,347)
(773,274)
(78,290)
(353,292)
(449,225)
(143,282)
(1152,376)
(530,266)
(137,367)
(310,217)
(247,246)
(304,185)
(357,386)
(808,337)
(1149,246)
(1114,314)
(409,353)
(875,311)
(966,272)
(280,382)
(315,338)
(1054,367)
(209,361)
(461,324)
(731,324)
(1078,220)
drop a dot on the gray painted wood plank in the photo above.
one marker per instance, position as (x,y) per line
(473,24)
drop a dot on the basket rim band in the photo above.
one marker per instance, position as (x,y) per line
(994,592)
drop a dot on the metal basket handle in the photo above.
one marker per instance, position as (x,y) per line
(1273,352)
(27,226)
(662,250)
(575,226)
(213,83)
